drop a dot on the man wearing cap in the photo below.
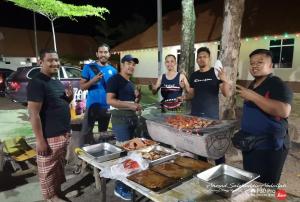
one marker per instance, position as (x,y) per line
(121,94)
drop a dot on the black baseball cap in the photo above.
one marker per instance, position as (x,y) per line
(129,58)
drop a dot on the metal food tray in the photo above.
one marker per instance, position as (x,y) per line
(226,180)
(213,141)
(172,153)
(103,151)
(171,183)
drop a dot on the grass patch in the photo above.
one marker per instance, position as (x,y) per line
(147,96)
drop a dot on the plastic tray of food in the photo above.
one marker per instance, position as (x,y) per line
(157,154)
(226,180)
(103,151)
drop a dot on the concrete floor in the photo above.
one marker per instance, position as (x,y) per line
(14,122)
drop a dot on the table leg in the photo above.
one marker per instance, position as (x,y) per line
(133,195)
(103,189)
(97,178)
(83,167)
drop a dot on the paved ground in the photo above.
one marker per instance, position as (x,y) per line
(14,122)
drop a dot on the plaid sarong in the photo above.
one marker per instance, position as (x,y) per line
(51,167)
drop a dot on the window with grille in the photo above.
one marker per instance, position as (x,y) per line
(283,51)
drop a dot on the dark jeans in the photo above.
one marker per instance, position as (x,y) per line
(124,124)
(267,163)
(217,161)
(88,125)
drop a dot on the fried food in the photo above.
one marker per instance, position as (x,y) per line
(172,170)
(153,155)
(137,143)
(151,180)
(195,165)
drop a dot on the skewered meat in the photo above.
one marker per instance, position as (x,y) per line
(184,122)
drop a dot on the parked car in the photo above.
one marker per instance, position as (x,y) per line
(4,73)
(16,83)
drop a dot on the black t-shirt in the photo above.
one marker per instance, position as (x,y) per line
(206,99)
(55,113)
(274,88)
(122,88)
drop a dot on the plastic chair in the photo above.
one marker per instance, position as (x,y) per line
(17,152)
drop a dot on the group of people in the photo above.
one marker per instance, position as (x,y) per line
(266,108)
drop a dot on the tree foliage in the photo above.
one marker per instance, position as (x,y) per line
(53,9)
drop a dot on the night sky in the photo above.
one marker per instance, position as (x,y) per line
(126,18)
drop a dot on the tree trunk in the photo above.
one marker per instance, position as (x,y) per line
(53,34)
(187,58)
(230,50)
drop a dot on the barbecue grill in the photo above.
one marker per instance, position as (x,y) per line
(212,141)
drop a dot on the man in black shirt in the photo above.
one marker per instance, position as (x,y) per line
(48,107)
(121,94)
(205,86)
(204,89)
(266,108)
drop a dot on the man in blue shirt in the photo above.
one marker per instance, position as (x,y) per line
(94,79)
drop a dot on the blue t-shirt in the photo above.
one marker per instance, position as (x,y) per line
(122,88)
(97,92)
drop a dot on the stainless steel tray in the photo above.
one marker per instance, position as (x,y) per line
(171,183)
(103,151)
(226,180)
(172,154)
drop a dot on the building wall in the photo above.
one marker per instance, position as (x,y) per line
(287,74)
(20,43)
(148,66)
